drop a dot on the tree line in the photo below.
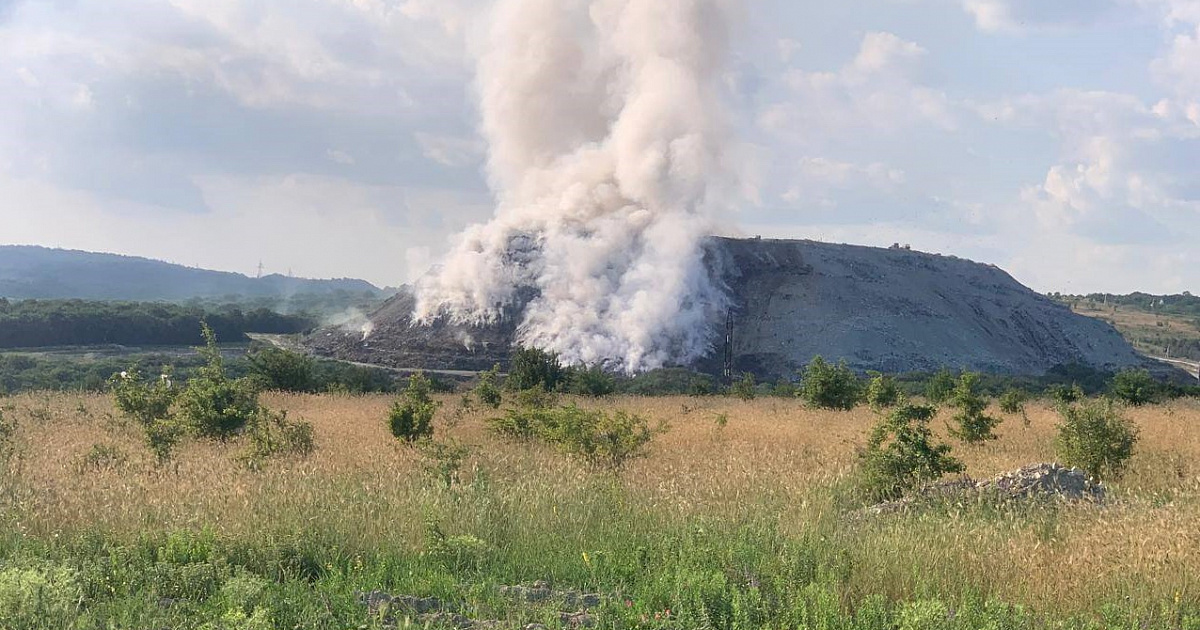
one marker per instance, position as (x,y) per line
(42,323)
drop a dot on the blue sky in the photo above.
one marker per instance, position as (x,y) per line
(1057,139)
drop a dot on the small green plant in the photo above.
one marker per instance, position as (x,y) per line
(593,382)
(444,461)
(1064,394)
(971,424)
(487,391)
(31,596)
(601,439)
(901,455)
(940,386)
(882,392)
(281,370)
(462,552)
(273,435)
(1012,402)
(101,457)
(411,417)
(721,420)
(536,368)
(745,388)
(829,386)
(1096,437)
(214,405)
(150,405)
(1134,387)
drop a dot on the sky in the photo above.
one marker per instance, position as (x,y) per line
(1057,139)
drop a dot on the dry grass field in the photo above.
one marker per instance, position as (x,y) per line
(758,496)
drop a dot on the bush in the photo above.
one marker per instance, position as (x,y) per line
(973,426)
(411,418)
(272,434)
(744,388)
(536,368)
(1096,437)
(828,386)
(282,370)
(1064,394)
(444,461)
(882,392)
(940,386)
(900,455)
(601,439)
(593,382)
(487,391)
(1013,401)
(1134,387)
(214,405)
(150,405)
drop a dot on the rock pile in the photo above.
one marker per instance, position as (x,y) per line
(1044,480)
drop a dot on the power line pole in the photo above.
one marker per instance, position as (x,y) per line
(260,268)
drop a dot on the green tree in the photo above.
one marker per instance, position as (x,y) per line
(281,370)
(972,425)
(940,386)
(536,368)
(150,405)
(1134,386)
(214,405)
(1096,437)
(901,454)
(882,392)
(744,388)
(1064,394)
(487,390)
(593,382)
(828,386)
(411,418)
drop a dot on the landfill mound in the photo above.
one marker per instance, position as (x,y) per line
(892,310)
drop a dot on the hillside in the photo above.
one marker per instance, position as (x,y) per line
(1158,325)
(892,310)
(28,272)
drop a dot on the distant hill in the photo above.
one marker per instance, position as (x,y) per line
(28,272)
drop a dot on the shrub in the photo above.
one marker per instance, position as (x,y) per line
(1096,437)
(214,405)
(411,418)
(1064,394)
(973,426)
(444,461)
(882,392)
(272,434)
(900,454)
(536,368)
(1135,387)
(940,386)
(100,457)
(1013,401)
(744,388)
(593,382)
(488,388)
(150,405)
(828,386)
(38,597)
(601,439)
(281,370)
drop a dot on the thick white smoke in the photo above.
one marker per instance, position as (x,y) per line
(606,128)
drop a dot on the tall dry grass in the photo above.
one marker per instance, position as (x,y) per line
(774,461)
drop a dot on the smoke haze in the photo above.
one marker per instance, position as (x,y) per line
(606,129)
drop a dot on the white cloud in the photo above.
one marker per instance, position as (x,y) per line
(451,151)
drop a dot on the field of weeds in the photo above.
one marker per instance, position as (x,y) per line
(737,518)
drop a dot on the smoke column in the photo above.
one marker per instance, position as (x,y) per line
(606,127)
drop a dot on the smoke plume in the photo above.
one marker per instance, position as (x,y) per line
(606,127)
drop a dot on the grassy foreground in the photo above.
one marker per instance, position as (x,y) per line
(736,526)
